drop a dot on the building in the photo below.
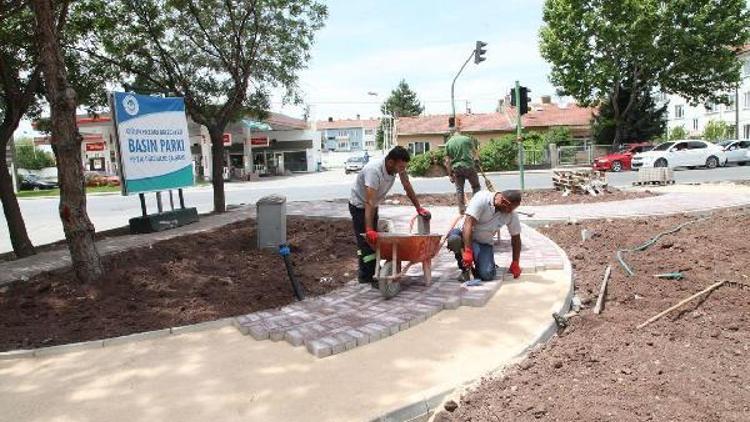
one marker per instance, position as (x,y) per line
(424,133)
(349,135)
(695,118)
(274,146)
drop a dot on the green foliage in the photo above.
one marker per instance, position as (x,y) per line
(402,102)
(499,154)
(597,49)
(30,158)
(677,132)
(559,135)
(644,122)
(223,57)
(419,164)
(718,131)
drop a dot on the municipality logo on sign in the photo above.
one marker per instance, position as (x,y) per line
(130,104)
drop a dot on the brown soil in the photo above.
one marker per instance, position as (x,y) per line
(182,281)
(532,197)
(691,365)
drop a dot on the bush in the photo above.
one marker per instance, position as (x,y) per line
(499,154)
(420,164)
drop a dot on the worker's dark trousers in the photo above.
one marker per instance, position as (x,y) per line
(461,175)
(365,253)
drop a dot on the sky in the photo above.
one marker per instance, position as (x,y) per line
(369,46)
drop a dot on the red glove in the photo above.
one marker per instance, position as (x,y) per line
(515,269)
(424,213)
(468,258)
(372,236)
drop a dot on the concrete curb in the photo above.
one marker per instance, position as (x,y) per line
(423,410)
(115,341)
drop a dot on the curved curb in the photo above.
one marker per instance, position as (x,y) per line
(114,341)
(424,409)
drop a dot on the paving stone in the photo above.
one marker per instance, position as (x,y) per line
(319,348)
(295,337)
(258,331)
(337,346)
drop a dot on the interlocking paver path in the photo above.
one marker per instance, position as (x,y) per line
(356,315)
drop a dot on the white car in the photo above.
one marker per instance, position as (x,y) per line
(683,153)
(737,151)
(354,164)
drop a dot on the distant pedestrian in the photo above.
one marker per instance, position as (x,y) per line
(460,153)
(367,157)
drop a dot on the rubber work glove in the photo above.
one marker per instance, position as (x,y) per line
(372,236)
(424,213)
(468,257)
(515,269)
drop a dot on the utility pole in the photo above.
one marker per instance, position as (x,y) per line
(519,128)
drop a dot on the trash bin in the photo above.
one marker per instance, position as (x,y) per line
(271,222)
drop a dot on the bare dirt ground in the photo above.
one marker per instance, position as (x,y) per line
(691,365)
(530,197)
(182,281)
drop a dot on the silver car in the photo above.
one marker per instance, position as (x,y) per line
(737,151)
(354,164)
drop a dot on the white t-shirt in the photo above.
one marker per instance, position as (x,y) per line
(375,176)
(482,208)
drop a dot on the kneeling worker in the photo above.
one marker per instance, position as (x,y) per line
(369,190)
(472,243)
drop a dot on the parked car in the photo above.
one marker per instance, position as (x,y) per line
(620,160)
(33,182)
(682,153)
(737,151)
(354,164)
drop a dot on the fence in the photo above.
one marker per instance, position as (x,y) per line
(581,155)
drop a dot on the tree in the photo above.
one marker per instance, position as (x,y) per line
(402,102)
(559,135)
(644,122)
(19,85)
(677,132)
(66,140)
(600,49)
(30,158)
(717,131)
(223,57)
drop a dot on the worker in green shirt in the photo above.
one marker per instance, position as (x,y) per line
(459,160)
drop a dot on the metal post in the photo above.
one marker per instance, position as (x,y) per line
(453,85)
(182,198)
(158,202)
(518,133)
(143,204)
(171,200)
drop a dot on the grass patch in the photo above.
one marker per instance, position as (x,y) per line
(56,192)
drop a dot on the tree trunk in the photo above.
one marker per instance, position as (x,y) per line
(66,143)
(19,237)
(217,167)
(618,132)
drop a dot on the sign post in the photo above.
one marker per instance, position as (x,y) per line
(153,149)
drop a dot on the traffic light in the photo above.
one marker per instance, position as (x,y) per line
(451,122)
(479,52)
(524,107)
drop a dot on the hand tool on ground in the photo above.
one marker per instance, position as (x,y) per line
(602,291)
(702,292)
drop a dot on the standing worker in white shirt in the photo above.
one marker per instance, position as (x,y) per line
(369,190)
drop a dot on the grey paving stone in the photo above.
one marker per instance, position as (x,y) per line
(319,348)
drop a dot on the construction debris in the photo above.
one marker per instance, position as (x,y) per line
(670,276)
(602,291)
(659,176)
(580,182)
(702,292)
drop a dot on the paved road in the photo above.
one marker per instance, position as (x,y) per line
(110,211)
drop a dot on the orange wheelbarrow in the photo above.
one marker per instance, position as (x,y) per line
(398,248)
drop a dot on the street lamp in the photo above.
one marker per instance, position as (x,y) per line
(388,126)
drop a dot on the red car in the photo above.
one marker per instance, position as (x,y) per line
(620,160)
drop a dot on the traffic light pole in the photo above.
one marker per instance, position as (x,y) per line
(518,133)
(453,85)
